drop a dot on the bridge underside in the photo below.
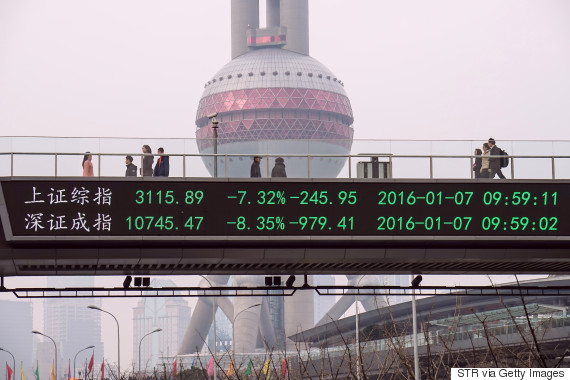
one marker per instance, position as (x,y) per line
(164,259)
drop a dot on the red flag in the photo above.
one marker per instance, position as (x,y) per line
(103,370)
(69,370)
(9,371)
(90,364)
(210,367)
(174,368)
(284,368)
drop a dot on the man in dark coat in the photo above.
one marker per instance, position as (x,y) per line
(279,168)
(495,160)
(131,168)
(255,168)
(162,167)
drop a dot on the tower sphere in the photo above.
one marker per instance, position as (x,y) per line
(274,101)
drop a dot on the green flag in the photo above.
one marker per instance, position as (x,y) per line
(248,369)
(38,372)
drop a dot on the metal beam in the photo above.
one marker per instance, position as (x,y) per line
(237,291)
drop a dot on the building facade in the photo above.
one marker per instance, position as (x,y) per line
(172,315)
(73,326)
(16,321)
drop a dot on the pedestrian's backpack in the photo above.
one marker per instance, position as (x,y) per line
(504,158)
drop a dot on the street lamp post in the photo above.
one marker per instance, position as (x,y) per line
(215,123)
(213,312)
(415,283)
(14,363)
(358,377)
(234,330)
(54,345)
(118,339)
(75,357)
(152,332)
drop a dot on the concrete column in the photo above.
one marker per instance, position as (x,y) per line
(295,17)
(245,15)
(299,311)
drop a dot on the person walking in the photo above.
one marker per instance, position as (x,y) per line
(147,161)
(162,167)
(131,168)
(87,165)
(477,164)
(255,171)
(484,172)
(279,168)
(495,160)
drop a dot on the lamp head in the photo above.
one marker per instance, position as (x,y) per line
(93,307)
(90,347)
(36,332)
(157,330)
(417,281)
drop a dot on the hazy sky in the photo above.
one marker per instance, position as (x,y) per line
(419,69)
(441,69)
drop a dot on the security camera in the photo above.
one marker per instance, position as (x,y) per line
(212,115)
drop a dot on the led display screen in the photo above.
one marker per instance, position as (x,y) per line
(233,208)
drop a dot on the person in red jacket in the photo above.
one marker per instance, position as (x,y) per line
(87,165)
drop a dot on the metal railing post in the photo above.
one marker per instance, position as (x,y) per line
(12,164)
(184,166)
(55,163)
(226,165)
(471,165)
(553,169)
(349,166)
(390,167)
(308,166)
(512,168)
(430,167)
(99,164)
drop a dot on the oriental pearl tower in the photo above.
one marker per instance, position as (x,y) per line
(273,98)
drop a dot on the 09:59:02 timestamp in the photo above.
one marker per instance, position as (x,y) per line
(520,223)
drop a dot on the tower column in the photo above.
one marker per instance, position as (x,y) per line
(294,16)
(245,15)
(272,13)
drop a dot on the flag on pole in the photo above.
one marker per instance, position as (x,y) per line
(9,370)
(284,368)
(231,368)
(52,372)
(69,370)
(22,371)
(249,367)
(210,367)
(90,363)
(38,371)
(103,370)
(174,368)
(193,360)
(266,367)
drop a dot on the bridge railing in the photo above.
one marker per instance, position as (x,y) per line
(191,165)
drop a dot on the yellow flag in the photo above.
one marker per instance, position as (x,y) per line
(52,372)
(231,368)
(22,372)
(266,367)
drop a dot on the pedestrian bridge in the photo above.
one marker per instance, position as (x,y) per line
(376,217)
